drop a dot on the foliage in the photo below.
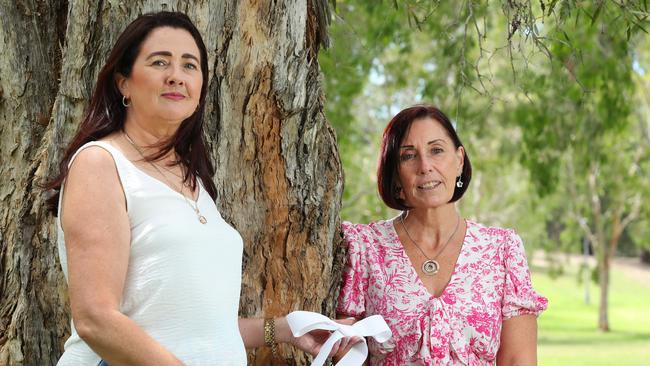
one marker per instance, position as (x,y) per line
(530,81)
(549,98)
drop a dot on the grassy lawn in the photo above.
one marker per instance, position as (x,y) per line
(568,332)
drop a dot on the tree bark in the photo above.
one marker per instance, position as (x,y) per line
(33,317)
(278,174)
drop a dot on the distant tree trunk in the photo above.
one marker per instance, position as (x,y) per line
(278,174)
(603,282)
(618,219)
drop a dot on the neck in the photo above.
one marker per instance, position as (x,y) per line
(147,137)
(147,133)
(432,227)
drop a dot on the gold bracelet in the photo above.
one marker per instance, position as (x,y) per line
(269,336)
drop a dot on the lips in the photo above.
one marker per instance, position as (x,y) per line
(173,96)
(430,185)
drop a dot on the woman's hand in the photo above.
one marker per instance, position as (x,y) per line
(345,343)
(314,340)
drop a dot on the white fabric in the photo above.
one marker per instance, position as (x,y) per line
(184,278)
(302,322)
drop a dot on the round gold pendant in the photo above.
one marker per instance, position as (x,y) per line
(202,219)
(430,267)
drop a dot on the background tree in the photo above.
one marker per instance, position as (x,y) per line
(586,128)
(278,174)
(541,92)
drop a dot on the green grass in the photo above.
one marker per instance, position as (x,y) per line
(568,332)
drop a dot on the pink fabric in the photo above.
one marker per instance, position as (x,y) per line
(490,283)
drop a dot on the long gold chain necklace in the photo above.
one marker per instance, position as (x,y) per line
(195,206)
(431,266)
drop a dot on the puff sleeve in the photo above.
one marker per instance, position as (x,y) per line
(351,300)
(519,297)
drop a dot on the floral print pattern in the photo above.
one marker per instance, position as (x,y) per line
(490,283)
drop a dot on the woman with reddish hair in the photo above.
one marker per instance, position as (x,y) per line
(453,291)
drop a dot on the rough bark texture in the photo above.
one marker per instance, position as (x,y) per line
(278,174)
(33,319)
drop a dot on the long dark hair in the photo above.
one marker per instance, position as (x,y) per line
(106,114)
(393,135)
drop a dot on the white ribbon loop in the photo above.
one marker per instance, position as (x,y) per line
(302,322)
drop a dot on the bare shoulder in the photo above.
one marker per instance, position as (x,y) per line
(93,191)
(93,172)
(92,157)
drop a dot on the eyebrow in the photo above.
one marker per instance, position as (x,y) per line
(428,143)
(168,54)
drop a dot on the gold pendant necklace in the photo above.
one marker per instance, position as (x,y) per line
(430,267)
(195,206)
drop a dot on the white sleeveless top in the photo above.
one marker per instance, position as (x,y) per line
(184,278)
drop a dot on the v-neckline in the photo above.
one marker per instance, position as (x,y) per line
(414,272)
(191,199)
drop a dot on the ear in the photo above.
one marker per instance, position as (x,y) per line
(122,84)
(460,154)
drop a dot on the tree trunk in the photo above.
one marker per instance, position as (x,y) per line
(33,313)
(603,281)
(278,173)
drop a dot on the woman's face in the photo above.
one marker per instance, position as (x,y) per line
(428,165)
(166,79)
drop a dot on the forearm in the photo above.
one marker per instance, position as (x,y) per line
(252,331)
(121,342)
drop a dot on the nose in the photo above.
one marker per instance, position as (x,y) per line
(425,164)
(175,76)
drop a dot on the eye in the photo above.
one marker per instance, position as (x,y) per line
(191,66)
(407,156)
(159,63)
(437,150)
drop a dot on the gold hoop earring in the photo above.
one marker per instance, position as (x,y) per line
(124,102)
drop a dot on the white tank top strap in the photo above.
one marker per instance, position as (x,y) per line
(121,164)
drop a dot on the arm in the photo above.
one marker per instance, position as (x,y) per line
(518,342)
(252,332)
(97,234)
(521,305)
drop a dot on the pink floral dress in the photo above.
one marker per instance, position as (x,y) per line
(490,283)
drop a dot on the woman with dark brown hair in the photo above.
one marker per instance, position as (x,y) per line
(453,291)
(153,270)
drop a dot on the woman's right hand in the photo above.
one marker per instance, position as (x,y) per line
(346,343)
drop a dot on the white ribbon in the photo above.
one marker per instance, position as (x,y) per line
(302,322)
